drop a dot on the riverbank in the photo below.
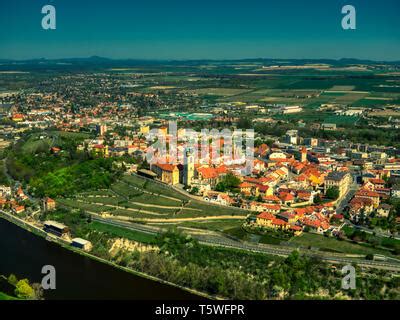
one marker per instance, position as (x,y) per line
(61,243)
(4,296)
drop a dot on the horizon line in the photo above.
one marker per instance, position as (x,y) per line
(195,59)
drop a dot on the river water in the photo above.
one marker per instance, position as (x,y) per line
(77,277)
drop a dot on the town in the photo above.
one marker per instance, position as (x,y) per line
(324,165)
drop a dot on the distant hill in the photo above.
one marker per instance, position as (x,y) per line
(97,62)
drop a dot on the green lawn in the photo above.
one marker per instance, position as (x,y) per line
(213,225)
(341,119)
(123,232)
(333,245)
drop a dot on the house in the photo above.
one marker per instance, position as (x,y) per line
(218,197)
(297,230)
(328,126)
(358,205)
(339,179)
(20,194)
(265,219)
(56,228)
(272,199)
(18,209)
(396,191)
(367,194)
(264,207)
(377,183)
(17,117)
(249,189)
(286,198)
(100,150)
(82,244)
(271,208)
(268,220)
(287,217)
(338,217)
(305,196)
(265,190)
(210,175)
(55,150)
(48,204)
(3,202)
(315,224)
(5,191)
(167,173)
(384,210)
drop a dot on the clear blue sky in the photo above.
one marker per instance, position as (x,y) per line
(193,29)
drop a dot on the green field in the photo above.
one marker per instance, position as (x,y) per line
(123,232)
(333,245)
(138,198)
(340,120)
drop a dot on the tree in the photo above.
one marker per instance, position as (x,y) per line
(333,193)
(244,123)
(317,199)
(194,190)
(231,181)
(220,187)
(12,279)
(23,290)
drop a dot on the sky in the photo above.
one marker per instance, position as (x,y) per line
(193,29)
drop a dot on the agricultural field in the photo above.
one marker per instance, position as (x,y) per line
(136,199)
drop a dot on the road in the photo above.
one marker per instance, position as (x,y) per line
(348,196)
(221,241)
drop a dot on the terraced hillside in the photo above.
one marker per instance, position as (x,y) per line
(137,199)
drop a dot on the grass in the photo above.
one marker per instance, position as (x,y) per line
(240,233)
(85,206)
(384,241)
(341,119)
(4,296)
(161,202)
(214,225)
(34,143)
(123,232)
(334,245)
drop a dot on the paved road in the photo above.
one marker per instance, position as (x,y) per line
(220,241)
(348,196)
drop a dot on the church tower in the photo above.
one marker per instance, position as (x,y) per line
(188,167)
(303,157)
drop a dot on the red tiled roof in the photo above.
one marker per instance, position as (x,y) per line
(266,215)
(367,193)
(166,166)
(286,196)
(275,207)
(279,222)
(377,181)
(295,228)
(245,185)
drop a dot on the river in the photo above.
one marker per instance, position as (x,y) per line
(77,277)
